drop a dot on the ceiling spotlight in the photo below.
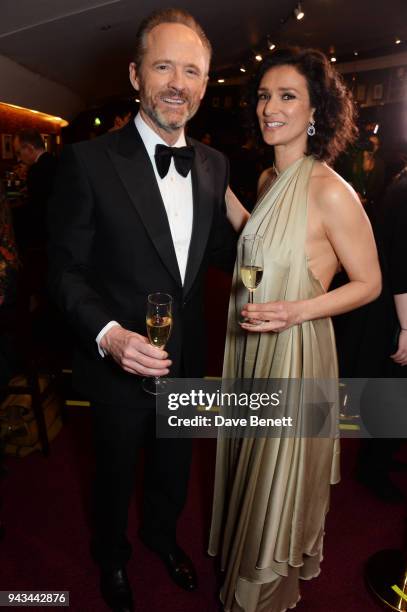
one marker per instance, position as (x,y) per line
(376,128)
(137,99)
(242,69)
(259,57)
(356,53)
(333,59)
(397,41)
(270,44)
(298,12)
(221,80)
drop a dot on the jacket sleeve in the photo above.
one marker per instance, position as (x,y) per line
(71,225)
(224,237)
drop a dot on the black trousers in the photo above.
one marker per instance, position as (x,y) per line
(119,433)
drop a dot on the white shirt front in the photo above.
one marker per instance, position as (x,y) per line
(176,193)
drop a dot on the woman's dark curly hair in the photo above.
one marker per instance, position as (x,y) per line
(335,112)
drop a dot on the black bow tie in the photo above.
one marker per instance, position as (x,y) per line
(183,158)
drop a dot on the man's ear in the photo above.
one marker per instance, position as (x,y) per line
(204,87)
(133,75)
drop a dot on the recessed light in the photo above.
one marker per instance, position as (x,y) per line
(298,12)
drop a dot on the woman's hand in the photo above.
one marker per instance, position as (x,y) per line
(272,316)
(400,356)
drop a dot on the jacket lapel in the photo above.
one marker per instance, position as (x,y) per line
(202,189)
(133,165)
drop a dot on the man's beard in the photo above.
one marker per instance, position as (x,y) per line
(159,118)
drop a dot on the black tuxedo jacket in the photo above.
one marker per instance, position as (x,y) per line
(110,246)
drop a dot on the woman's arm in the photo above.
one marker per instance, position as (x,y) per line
(400,356)
(235,211)
(348,230)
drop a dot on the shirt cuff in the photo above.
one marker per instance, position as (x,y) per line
(100,335)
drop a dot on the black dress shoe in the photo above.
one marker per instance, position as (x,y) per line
(180,569)
(115,589)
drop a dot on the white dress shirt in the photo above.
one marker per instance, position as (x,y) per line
(176,193)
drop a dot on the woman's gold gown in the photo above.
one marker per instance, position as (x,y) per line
(272,494)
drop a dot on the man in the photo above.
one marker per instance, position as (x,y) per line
(121,228)
(29,148)
(121,113)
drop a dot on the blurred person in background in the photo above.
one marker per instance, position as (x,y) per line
(30,149)
(376,459)
(395,244)
(9,264)
(121,113)
(369,172)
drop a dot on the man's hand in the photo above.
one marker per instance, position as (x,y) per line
(134,353)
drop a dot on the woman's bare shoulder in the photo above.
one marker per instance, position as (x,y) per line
(326,186)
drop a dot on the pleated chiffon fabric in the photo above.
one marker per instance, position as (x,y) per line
(271,495)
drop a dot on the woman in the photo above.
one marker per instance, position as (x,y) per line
(271,494)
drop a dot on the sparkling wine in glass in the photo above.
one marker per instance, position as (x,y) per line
(159,324)
(251,266)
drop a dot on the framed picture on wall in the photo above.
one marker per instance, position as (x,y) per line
(7,146)
(378,92)
(361,92)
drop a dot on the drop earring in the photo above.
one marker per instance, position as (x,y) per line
(311,128)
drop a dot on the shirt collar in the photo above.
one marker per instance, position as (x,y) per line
(150,138)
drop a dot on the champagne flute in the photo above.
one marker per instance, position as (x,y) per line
(251,267)
(159,324)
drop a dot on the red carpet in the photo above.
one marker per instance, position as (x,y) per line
(46,542)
